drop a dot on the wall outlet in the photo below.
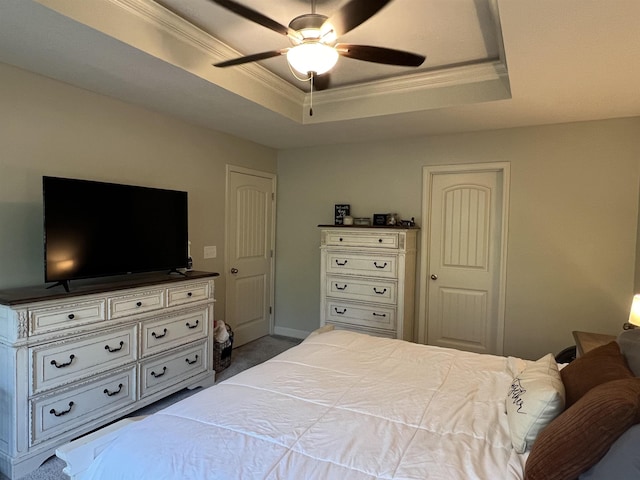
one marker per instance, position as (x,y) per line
(210,252)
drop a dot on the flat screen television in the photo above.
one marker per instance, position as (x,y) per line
(96,229)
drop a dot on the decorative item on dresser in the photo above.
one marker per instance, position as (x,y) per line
(72,362)
(341,211)
(368,279)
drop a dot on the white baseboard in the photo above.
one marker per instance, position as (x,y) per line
(290,332)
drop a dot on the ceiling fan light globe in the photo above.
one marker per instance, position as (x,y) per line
(312,57)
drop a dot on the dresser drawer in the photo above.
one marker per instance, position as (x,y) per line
(362,239)
(362,315)
(161,372)
(193,293)
(361,264)
(362,289)
(57,317)
(67,361)
(164,333)
(134,303)
(57,413)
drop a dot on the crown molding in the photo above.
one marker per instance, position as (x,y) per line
(216,50)
(153,29)
(454,76)
(475,83)
(421,84)
(186,32)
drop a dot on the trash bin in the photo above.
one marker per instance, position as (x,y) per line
(222,352)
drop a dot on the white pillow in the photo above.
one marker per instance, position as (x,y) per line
(535,398)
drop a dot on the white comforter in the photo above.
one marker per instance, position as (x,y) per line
(339,406)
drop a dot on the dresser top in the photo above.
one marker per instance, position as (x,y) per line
(22,295)
(371,227)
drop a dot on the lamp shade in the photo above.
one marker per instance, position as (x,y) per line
(634,316)
(312,57)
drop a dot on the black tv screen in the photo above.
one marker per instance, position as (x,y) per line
(95,229)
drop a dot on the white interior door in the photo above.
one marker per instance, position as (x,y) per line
(249,257)
(464,274)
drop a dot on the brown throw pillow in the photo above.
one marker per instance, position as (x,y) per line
(595,367)
(578,438)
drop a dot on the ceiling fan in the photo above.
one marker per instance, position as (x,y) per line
(313,37)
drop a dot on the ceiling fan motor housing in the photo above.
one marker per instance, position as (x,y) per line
(310,27)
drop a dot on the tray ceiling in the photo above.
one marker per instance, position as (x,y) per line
(490,64)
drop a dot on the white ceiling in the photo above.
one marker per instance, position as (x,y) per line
(563,61)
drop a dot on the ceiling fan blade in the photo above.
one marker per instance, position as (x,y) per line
(353,14)
(251,58)
(256,17)
(387,56)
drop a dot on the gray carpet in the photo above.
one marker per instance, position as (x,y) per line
(242,358)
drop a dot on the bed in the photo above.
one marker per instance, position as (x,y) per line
(344,405)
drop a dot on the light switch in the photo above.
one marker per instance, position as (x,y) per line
(210,252)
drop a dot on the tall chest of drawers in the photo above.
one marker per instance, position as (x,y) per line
(367,280)
(70,363)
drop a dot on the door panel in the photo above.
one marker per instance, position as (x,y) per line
(464,260)
(249,257)
(466,226)
(463,317)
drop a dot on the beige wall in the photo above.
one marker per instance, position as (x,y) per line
(574,199)
(50,128)
(573,217)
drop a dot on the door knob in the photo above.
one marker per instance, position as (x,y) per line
(434,276)
(234,270)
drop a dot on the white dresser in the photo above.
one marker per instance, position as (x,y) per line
(367,280)
(72,362)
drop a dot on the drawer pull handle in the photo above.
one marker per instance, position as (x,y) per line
(191,362)
(340,238)
(341,264)
(138,304)
(117,349)
(61,365)
(64,412)
(380,266)
(192,326)
(111,394)
(189,294)
(384,290)
(379,240)
(156,336)
(341,288)
(379,314)
(71,316)
(156,375)
(344,310)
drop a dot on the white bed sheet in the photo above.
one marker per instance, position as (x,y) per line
(339,406)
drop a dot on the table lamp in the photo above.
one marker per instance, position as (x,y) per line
(634,315)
